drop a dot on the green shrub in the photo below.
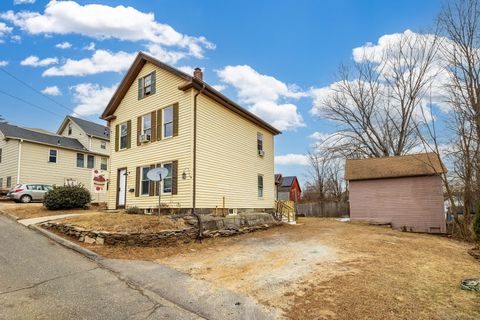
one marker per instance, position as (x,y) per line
(134,210)
(67,197)
(476,225)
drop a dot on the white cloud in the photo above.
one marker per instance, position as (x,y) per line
(101,61)
(64,45)
(34,61)
(3,63)
(292,159)
(219,87)
(187,69)
(52,91)
(4,29)
(90,47)
(23,1)
(170,57)
(104,22)
(16,38)
(91,98)
(264,95)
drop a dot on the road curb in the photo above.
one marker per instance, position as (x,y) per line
(9,215)
(68,244)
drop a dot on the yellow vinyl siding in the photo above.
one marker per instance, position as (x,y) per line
(175,148)
(8,166)
(91,143)
(35,167)
(227,160)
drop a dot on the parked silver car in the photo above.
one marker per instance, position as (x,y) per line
(28,192)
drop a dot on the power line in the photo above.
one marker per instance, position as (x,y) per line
(30,103)
(39,92)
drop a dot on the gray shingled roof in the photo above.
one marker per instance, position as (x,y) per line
(11,131)
(92,128)
(287,181)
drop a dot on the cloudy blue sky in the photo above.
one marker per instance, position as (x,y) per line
(270,56)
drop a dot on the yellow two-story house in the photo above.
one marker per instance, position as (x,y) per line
(219,156)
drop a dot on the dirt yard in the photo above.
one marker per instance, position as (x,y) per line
(33,210)
(122,222)
(326,269)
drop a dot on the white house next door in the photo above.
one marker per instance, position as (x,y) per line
(122,187)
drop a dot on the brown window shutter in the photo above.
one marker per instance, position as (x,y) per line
(129,134)
(174,176)
(159,125)
(158,165)
(140,88)
(175,119)
(137,182)
(153,117)
(151,190)
(117,136)
(139,130)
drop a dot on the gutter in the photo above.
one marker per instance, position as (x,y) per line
(194,179)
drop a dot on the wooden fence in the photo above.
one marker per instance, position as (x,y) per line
(326,209)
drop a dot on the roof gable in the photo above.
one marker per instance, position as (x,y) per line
(90,128)
(423,164)
(190,82)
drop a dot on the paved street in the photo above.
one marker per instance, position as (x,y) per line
(40,279)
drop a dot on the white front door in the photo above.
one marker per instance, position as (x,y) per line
(122,187)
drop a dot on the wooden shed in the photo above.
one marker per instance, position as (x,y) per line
(404,191)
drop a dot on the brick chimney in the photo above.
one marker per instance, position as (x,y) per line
(198,74)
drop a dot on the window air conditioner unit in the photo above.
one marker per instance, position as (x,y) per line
(261,153)
(232,211)
(145,138)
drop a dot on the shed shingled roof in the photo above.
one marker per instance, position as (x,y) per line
(14,132)
(423,164)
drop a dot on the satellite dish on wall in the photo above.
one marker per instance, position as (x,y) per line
(157,174)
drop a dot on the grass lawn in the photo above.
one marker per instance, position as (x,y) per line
(122,222)
(34,210)
(325,269)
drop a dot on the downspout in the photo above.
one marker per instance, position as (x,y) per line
(194,179)
(19,162)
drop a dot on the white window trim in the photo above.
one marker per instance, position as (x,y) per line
(120,136)
(263,186)
(164,123)
(76,160)
(89,155)
(145,86)
(141,182)
(143,124)
(56,156)
(106,163)
(171,177)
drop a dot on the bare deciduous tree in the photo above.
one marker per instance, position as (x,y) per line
(326,176)
(375,101)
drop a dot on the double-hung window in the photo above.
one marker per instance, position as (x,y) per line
(260,186)
(145,182)
(103,145)
(52,156)
(123,135)
(147,124)
(260,144)
(9,182)
(80,160)
(147,85)
(167,181)
(104,164)
(168,122)
(90,161)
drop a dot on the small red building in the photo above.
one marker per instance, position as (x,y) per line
(287,188)
(404,191)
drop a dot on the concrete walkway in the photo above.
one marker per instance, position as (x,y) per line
(30,221)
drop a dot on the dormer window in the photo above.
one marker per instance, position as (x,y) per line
(146,85)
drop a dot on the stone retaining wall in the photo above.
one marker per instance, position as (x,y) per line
(212,227)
